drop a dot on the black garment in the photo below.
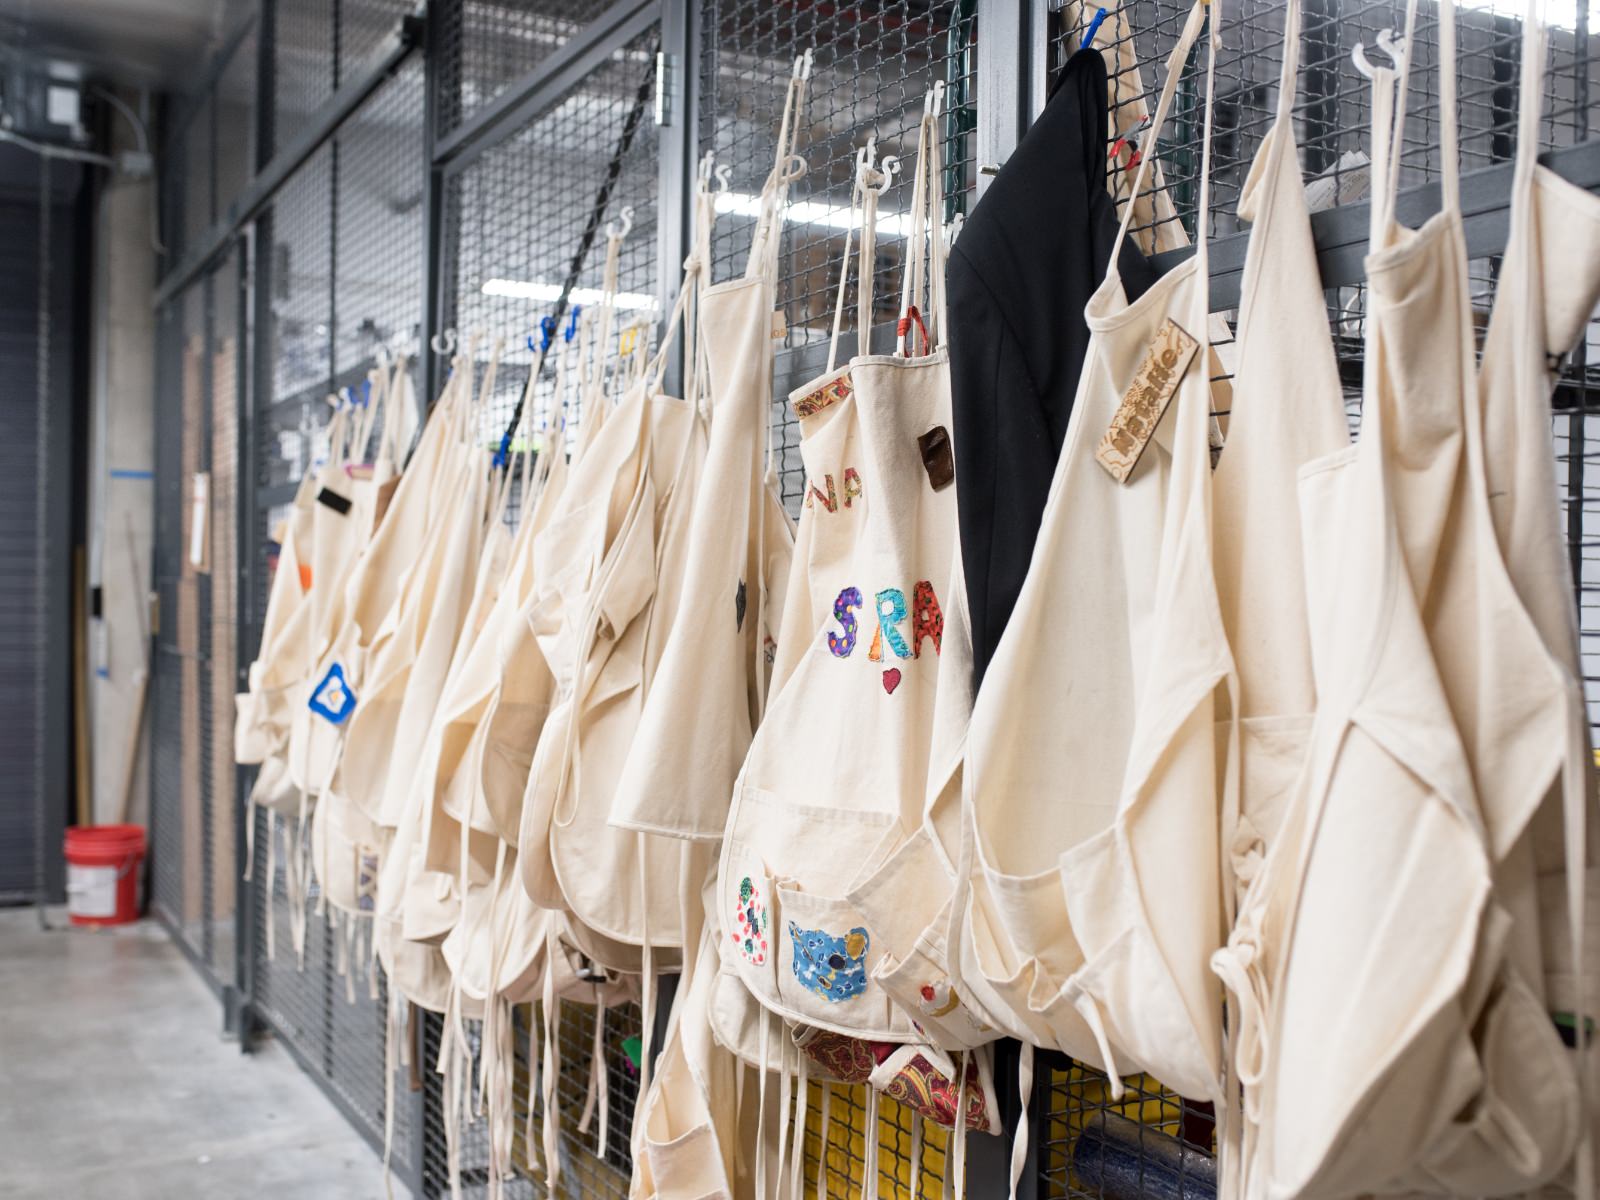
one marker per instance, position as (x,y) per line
(1028,259)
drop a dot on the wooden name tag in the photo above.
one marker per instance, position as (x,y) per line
(1147,397)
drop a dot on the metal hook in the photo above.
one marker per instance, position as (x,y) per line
(887,170)
(612,227)
(703,170)
(1391,46)
(802,64)
(724,175)
(445,343)
(933,102)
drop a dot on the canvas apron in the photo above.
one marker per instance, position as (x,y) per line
(1352,947)
(1547,289)
(262,709)
(710,688)
(615,558)
(688,1122)
(1084,921)
(385,733)
(345,841)
(1519,705)
(804,826)
(348,534)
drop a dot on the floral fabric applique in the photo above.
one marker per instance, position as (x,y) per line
(750,923)
(826,396)
(927,1090)
(846,1059)
(835,968)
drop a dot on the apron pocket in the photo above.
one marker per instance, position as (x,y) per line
(1522,1129)
(1139,1021)
(921,986)
(825,957)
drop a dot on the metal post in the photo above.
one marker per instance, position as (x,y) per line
(678,78)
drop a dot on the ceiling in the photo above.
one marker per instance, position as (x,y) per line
(135,43)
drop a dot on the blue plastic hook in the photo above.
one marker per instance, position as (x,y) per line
(547,332)
(366,393)
(572,323)
(1094,28)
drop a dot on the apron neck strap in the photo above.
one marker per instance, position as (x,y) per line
(922,279)
(1384,198)
(1530,106)
(1175,63)
(787,168)
(1289,77)
(871,181)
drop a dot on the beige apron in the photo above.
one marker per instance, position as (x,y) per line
(710,688)
(611,565)
(262,708)
(1287,409)
(687,1124)
(805,827)
(1352,949)
(1545,877)
(345,842)
(385,733)
(1086,919)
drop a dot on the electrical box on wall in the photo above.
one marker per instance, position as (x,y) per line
(42,99)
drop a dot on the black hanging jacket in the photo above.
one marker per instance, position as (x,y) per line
(1024,266)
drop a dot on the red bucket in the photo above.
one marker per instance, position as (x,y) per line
(103,873)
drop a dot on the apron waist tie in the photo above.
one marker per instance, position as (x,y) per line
(1089,1009)
(1019,1143)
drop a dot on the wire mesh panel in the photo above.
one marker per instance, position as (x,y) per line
(305,46)
(378,234)
(1333,108)
(584,1170)
(872,65)
(516,218)
(487,44)
(167,729)
(363,25)
(902,1173)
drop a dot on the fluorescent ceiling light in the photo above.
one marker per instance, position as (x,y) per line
(521,289)
(810,212)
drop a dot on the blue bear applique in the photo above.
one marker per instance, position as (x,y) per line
(833,967)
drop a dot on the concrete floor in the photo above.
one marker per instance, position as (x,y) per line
(115,1082)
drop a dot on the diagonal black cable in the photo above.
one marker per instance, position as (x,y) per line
(597,216)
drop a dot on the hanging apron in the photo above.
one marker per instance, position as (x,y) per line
(688,1122)
(1354,944)
(1085,921)
(1547,289)
(1287,409)
(880,490)
(343,516)
(345,841)
(615,559)
(262,710)
(1519,706)
(710,689)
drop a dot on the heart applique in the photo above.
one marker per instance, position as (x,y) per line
(891,680)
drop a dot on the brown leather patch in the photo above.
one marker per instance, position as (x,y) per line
(937,458)
(1155,382)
